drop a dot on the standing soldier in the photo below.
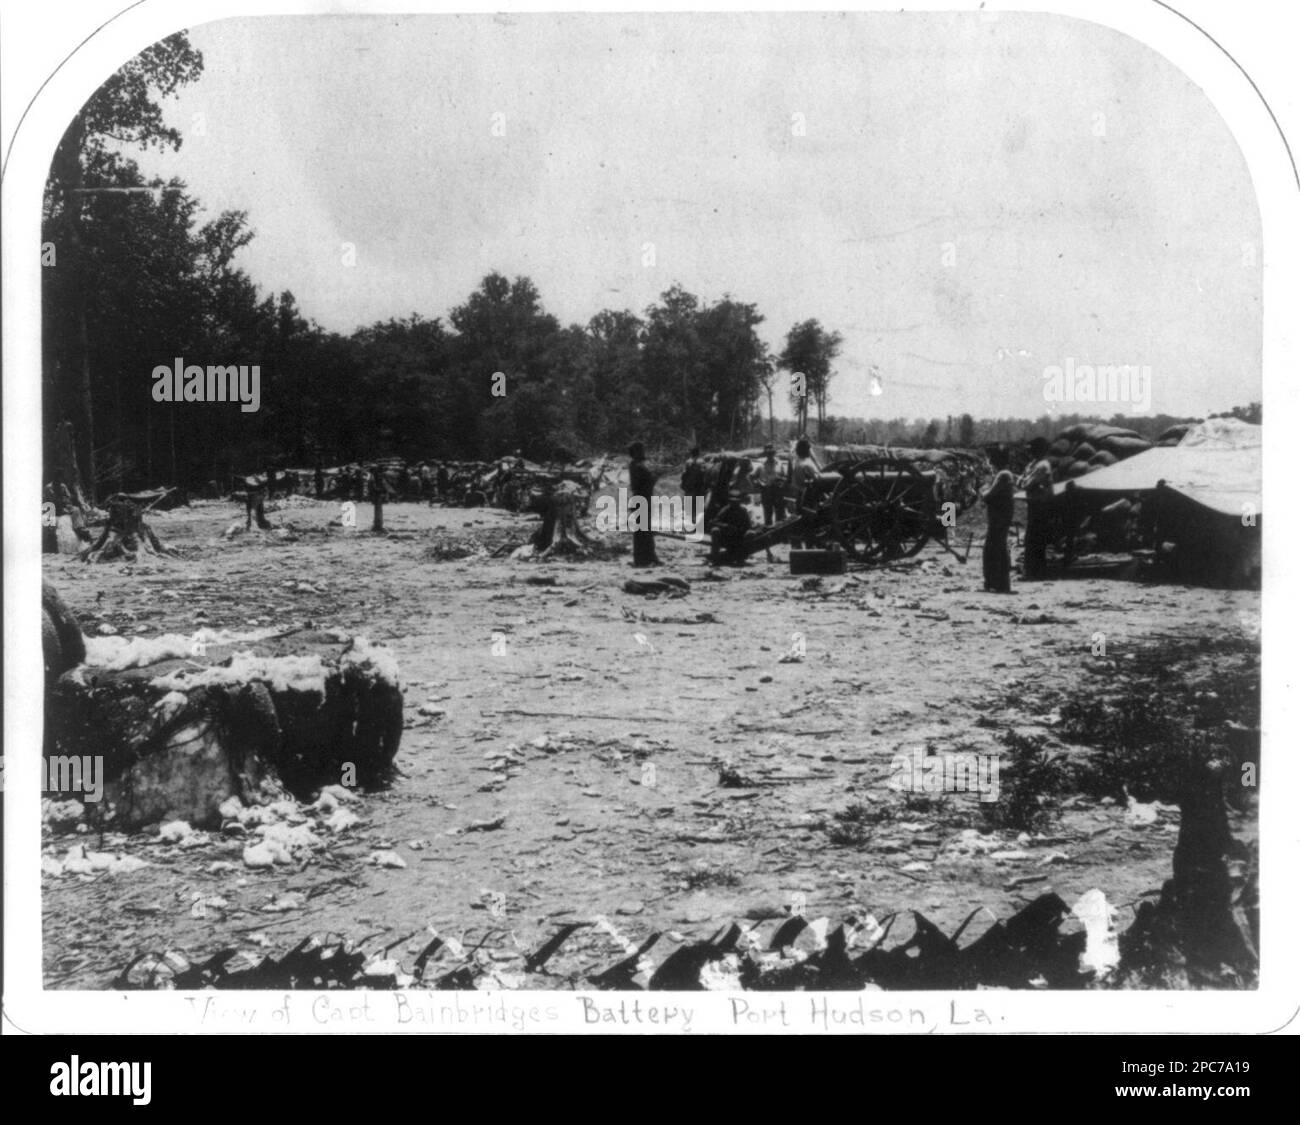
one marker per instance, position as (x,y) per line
(770,478)
(641,482)
(693,474)
(999,498)
(1037,483)
(804,477)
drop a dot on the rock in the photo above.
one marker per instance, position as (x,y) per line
(386,859)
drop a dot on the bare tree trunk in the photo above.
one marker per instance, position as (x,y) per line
(86,401)
(67,170)
(65,458)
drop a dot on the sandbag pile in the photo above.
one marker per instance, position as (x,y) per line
(1087,447)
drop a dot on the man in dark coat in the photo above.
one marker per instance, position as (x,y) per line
(641,482)
(999,498)
(727,537)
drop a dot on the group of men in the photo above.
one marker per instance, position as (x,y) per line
(729,522)
(999,500)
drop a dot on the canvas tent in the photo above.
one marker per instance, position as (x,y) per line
(1208,490)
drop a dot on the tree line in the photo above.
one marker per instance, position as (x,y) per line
(133,279)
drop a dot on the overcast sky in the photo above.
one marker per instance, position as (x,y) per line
(966,201)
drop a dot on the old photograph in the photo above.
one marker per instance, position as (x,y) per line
(650,503)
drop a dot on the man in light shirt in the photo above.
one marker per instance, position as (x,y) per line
(804,476)
(1037,485)
(770,478)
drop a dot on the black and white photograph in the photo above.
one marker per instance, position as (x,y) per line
(546,514)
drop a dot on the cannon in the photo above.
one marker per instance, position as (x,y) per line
(878,510)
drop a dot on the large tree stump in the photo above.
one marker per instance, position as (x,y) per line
(125,535)
(560,533)
(184,734)
(1205,919)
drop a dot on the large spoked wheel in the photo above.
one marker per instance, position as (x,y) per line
(883,510)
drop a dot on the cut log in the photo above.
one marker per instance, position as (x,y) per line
(180,736)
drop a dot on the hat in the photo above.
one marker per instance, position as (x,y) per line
(769,451)
(735,494)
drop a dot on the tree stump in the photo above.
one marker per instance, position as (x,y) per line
(255,508)
(560,533)
(125,535)
(182,735)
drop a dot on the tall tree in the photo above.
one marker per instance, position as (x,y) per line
(810,350)
(125,109)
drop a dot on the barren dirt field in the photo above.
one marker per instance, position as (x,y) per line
(669,763)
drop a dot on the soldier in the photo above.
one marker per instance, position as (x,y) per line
(727,536)
(770,478)
(693,474)
(804,476)
(641,482)
(999,498)
(1037,485)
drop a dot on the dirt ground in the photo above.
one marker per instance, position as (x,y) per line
(543,694)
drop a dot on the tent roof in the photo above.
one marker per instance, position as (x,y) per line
(1219,464)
